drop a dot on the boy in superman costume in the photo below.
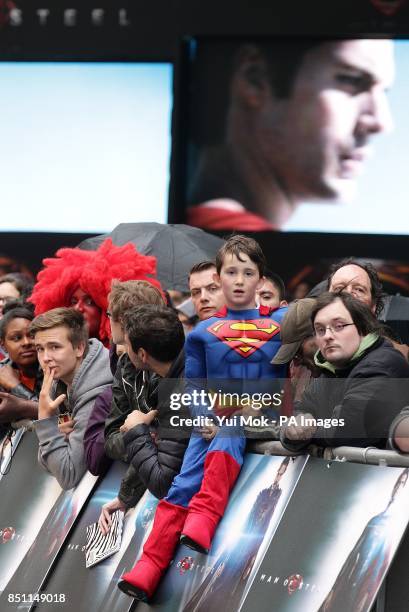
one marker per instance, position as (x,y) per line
(236,345)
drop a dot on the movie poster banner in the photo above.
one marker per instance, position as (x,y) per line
(44,550)
(335,542)
(217,581)
(138,523)
(94,588)
(27,493)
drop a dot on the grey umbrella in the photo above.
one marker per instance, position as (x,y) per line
(176,247)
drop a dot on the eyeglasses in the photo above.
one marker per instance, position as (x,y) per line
(336,328)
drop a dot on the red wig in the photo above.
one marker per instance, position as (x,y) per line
(93,272)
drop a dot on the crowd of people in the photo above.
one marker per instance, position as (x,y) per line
(105,367)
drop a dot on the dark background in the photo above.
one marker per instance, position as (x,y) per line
(158,30)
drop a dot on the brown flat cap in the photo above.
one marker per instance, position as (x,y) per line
(296,326)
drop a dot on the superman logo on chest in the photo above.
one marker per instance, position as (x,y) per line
(244,337)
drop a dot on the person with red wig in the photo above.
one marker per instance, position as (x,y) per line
(82,279)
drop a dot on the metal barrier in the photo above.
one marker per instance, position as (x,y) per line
(369,455)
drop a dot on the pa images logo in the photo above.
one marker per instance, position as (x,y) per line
(388,7)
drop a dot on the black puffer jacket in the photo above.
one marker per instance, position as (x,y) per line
(132,390)
(367,395)
(158,461)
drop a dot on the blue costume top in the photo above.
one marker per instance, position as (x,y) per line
(236,344)
(230,352)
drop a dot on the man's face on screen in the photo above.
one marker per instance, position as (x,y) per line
(319,137)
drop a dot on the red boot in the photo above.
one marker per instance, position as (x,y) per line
(207,507)
(158,550)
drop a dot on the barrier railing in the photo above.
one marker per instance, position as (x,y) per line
(301,533)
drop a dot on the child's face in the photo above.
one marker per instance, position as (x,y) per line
(240,281)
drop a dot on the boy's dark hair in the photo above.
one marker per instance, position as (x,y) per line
(17,312)
(156,329)
(65,317)
(241,244)
(278,283)
(201,267)
(376,285)
(363,318)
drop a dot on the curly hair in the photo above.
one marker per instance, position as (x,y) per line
(93,272)
(377,293)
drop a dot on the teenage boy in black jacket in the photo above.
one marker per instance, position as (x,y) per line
(154,339)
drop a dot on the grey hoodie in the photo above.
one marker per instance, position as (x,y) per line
(65,458)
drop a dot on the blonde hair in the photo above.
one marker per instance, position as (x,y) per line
(129,294)
(63,317)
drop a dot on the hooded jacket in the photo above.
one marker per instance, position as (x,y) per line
(64,457)
(359,401)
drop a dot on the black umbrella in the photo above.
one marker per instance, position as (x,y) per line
(176,247)
(396,314)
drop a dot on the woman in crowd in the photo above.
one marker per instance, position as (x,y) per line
(20,376)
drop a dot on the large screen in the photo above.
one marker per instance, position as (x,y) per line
(299,135)
(84,145)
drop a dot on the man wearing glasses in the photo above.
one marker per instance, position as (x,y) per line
(358,395)
(360,279)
